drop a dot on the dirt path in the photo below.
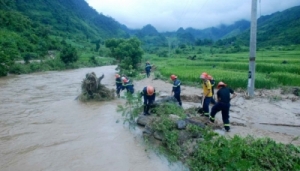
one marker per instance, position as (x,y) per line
(269,114)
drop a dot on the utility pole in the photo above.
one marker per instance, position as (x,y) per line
(251,73)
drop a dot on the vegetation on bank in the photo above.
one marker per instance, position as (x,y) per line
(207,150)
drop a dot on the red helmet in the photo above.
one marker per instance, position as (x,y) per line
(221,84)
(173,77)
(209,77)
(150,90)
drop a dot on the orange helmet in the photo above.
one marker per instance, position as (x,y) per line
(117,76)
(209,77)
(204,75)
(221,84)
(173,77)
(150,90)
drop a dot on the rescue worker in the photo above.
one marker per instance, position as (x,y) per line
(212,82)
(127,84)
(223,104)
(176,88)
(118,84)
(148,69)
(207,94)
(149,97)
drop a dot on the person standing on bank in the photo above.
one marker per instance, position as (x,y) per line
(207,94)
(149,97)
(223,104)
(148,69)
(176,88)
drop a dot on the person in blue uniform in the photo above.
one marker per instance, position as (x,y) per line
(148,69)
(118,84)
(127,84)
(176,88)
(223,104)
(149,97)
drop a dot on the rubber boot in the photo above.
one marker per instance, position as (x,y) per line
(146,110)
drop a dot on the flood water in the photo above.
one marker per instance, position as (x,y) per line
(42,127)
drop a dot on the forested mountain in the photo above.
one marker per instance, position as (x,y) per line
(150,37)
(30,28)
(69,16)
(280,28)
(36,26)
(215,33)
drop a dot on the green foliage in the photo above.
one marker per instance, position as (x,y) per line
(127,51)
(69,55)
(131,109)
(247,153)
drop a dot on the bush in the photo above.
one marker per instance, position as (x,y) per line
(69,54)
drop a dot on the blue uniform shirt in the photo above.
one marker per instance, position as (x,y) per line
(148,67)
(148,98)
(129,87)
(176,86)
(118,82)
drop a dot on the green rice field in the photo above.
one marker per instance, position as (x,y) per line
(274,68)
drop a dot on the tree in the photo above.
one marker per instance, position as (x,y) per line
(68,54)
(127,51)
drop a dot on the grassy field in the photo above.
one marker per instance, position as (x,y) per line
(275,66)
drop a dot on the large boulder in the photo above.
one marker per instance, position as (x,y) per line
(169,99)
(143,120)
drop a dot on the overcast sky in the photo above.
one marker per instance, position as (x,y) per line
(169,15)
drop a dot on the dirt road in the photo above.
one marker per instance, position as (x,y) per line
(269,114)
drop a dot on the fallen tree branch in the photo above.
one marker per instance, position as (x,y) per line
(280,124)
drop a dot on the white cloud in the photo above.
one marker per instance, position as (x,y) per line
(169,15)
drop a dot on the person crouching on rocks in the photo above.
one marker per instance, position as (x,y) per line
(223,104)
(149,97)
(127,84)
(118,85)
(176,88)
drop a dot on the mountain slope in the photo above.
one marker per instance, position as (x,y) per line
(150,37)
(280,28)
(73,16)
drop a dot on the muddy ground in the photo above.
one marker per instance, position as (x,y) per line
(268,114)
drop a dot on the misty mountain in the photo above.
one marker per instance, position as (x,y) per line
(149,36)
(37,25)
(280,28)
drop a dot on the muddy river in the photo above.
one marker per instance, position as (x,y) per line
(42,127)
